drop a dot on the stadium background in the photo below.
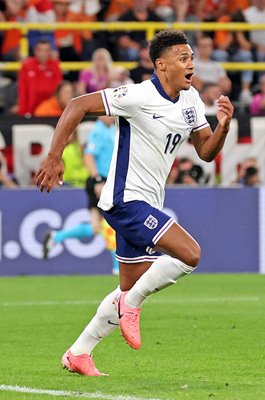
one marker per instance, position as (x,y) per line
(246,216)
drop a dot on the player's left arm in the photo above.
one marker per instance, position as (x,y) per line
(207,143)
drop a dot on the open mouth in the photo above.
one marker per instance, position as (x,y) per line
(189,77)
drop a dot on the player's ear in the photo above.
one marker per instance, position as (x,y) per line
(160,64)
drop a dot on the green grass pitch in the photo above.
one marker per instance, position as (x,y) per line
(203,338)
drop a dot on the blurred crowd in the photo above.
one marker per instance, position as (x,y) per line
(42,89)
(48,48)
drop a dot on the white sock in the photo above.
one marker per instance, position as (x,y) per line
(165,271)
(101,325)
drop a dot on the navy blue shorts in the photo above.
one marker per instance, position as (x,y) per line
(138,227)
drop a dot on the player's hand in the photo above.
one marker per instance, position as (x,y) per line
(225,111)
(50,173)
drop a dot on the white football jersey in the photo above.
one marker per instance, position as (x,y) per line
(150,128)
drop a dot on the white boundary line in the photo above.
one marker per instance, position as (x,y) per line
(66,393)
(150,301)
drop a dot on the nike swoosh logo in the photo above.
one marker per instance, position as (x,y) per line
(157,116)
(119,311)
(111,323)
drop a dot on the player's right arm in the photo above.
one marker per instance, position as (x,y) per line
(51,169)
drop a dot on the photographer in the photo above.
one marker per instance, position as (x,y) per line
(185,172)
(251,177)
(248,173)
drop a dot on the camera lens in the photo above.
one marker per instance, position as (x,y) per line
(251,171)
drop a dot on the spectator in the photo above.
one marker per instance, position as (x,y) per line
(145,67)
(116,9)
(257,105)
(248,172)
(54,106)
(68,42)
(129,42)
(166,10)
(207,70)
(75,171)
(37,11)
(210,92)
(256,14)
(12,12)
(211,10)
(251,177)
(185,172)
(98,76)
(177,10)
(236,46)
(119,76)
(38,78)
(40,11)
(189,11)
(236,5)
(85,11)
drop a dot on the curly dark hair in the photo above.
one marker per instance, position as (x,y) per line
(163,40)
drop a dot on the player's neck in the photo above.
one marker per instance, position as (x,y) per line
(171,91)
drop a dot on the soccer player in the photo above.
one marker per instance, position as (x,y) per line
(153,118)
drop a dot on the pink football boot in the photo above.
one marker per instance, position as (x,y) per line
(83,364)
(129,319)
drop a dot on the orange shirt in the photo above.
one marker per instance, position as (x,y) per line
(64,37)
(80,17)
(221,37)
(12,37)
(48,108)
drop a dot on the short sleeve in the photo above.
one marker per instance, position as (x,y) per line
(123,101)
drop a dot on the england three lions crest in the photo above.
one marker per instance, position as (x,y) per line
(190,115)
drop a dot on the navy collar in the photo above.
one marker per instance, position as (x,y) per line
(154,79)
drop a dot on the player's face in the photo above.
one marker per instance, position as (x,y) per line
(178,66)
